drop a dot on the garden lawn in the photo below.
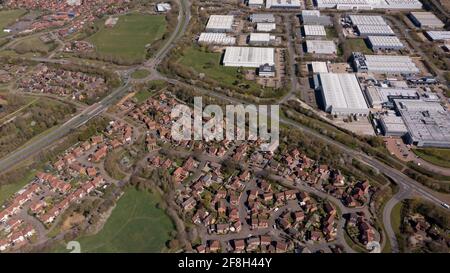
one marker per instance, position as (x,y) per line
(8,17)
(358,45)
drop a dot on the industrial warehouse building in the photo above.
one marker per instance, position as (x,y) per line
(428,123)
(313,17)
(425,19)
(283,4)
(314,30)
(436,35)
(220,23)
(384,64)
(319,67)
(374,20)
(385,43)
(249,56)
(255,3)
(379,97)
(368,4)
(209,38)
(366,30)
(341,94)
(393,126)
(261,39)
(262,18)
(266,70)
(320,47)
(266,27)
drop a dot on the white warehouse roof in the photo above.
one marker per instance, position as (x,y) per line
(427,19)
(385,42)
(249,56)
(255,2)
(375,30)
(265,27)
(261,37)
(314,30)
(320,47)
(216,38)
(283,4)
(342,93)
(369,4)
(319,67)
(367,20)
(390,64)
(439,35)
(220,22)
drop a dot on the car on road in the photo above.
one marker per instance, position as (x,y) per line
(445,205)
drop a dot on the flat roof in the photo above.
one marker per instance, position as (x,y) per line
(220,22)
(262,17)
(321,47)
(260,37)
(369,4)
(341,91)
(283,4)
(375,29)
(248,56)
(390,63)
(427,19)
(319,67)
(436,35)
(256,2)
(314,30)
(267,27)
(385,41)
(216,38)
(367,20)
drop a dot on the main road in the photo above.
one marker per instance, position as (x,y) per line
(96,109)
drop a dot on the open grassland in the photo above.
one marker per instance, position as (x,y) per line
(140,74)
(439,157)
(127,40)
(358,45)
(7,17)
(135,225)
(34,45)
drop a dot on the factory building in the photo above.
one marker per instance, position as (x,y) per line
(385,43)
(393,126)
(384,64)
(220,23)
(283,4)
(436,35)
(211,38)
(249,56)
(341,94)
(428,123)
(379,97)
(262,18)
(314,30)
(320,47)
(368,4)
(255,3)
(373,30)
(266,70)
(313,17)
(261,39)
(266,27)
(319,67)
(425,19)
(375,20)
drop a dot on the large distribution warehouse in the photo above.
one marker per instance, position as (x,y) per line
(314,30)
(426,19)
(212,38)
(428,123)
(367,20)
(249,56)
(283,4)
(313,17)
(341,94)
(384,64)
(436,35)
(220,23)
(385,43)
(320,47)
(366,30)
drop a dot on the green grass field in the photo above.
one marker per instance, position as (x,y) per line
(34,45)
(358,45)
(128,38)
(8,17)
(396,217)
(135,225)
(439,157)
(140,74)
(8,190)
(209,64)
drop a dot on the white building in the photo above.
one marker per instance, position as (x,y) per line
(163,7)
(255,3)
(249,56)
(266,27)
(426,19)
(220,23)
(384,64)
(367,20)
(261,38)
(211,38)
(319,67)
(314,30)
(321,47)
(262,18)
(368,4)
(439,35)
(366,30)
(385,43)
(341,94)
(393,126)
(283,4)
